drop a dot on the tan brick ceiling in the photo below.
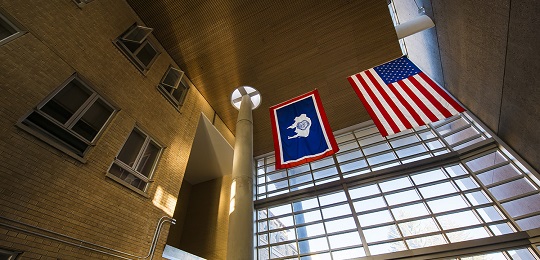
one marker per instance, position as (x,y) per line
(283,48)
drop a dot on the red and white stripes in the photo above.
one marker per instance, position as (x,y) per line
(413,101)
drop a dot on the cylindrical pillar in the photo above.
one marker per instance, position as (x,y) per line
(240,241)
(418,24)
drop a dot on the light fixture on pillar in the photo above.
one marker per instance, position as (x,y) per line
(254,95)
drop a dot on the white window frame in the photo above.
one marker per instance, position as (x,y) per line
(147,31)
(181,83)
(10,21)
(177,83)
(132,55)
(132,169)
(55,141)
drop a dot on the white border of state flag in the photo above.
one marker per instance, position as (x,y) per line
(327,132)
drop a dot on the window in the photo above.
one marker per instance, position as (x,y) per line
(8,30)
(135,45)
(82,3)
(364,150)
(436,185)
(512,253)
(134,165)
(174,86)
(8,255)
(71,118)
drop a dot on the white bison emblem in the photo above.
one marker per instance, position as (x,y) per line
(301,126)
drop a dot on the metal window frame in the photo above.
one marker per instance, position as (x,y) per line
(131,30)
(507,161)
(172,69)
(12,254)
(132,56)
(182,83)
(133,169)
(368,131)
(485,224)
(482,223)
(77,115)
(13,24)
(54,141)
(459,153)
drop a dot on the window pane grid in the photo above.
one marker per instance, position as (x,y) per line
(456,202)
(415,202)
(70,131)
(516,253)
(72,117)
(136,161)
(459,222)
(509,180)
(455,130)
(526,216)
(476,125)
(517,197)
(495,165)
(460,131)
(394,236)
(313,236)
(276,178)
(361,151)
(445,121)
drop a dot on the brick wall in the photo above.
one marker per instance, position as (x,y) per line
(47,188)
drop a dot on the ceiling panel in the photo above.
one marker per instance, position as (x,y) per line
(283,48)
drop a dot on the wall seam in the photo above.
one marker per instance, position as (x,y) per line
(439,47)
(504,68)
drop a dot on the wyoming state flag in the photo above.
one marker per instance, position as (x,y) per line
(301,131)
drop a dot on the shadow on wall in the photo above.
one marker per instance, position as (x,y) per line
(202,214)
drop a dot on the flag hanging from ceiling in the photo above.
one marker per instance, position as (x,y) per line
(301,131)
(399,96)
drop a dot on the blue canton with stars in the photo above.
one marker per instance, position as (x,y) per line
(396,70)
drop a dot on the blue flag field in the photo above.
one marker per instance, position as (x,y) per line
(301,131)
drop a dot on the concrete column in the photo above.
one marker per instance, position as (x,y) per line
(240,241)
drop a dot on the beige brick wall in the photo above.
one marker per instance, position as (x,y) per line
(43,186)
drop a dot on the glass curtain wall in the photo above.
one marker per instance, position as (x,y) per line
(431,186)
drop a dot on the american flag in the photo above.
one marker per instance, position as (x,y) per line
(399,96)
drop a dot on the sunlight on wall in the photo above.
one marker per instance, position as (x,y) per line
(165,201)
(233,194)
